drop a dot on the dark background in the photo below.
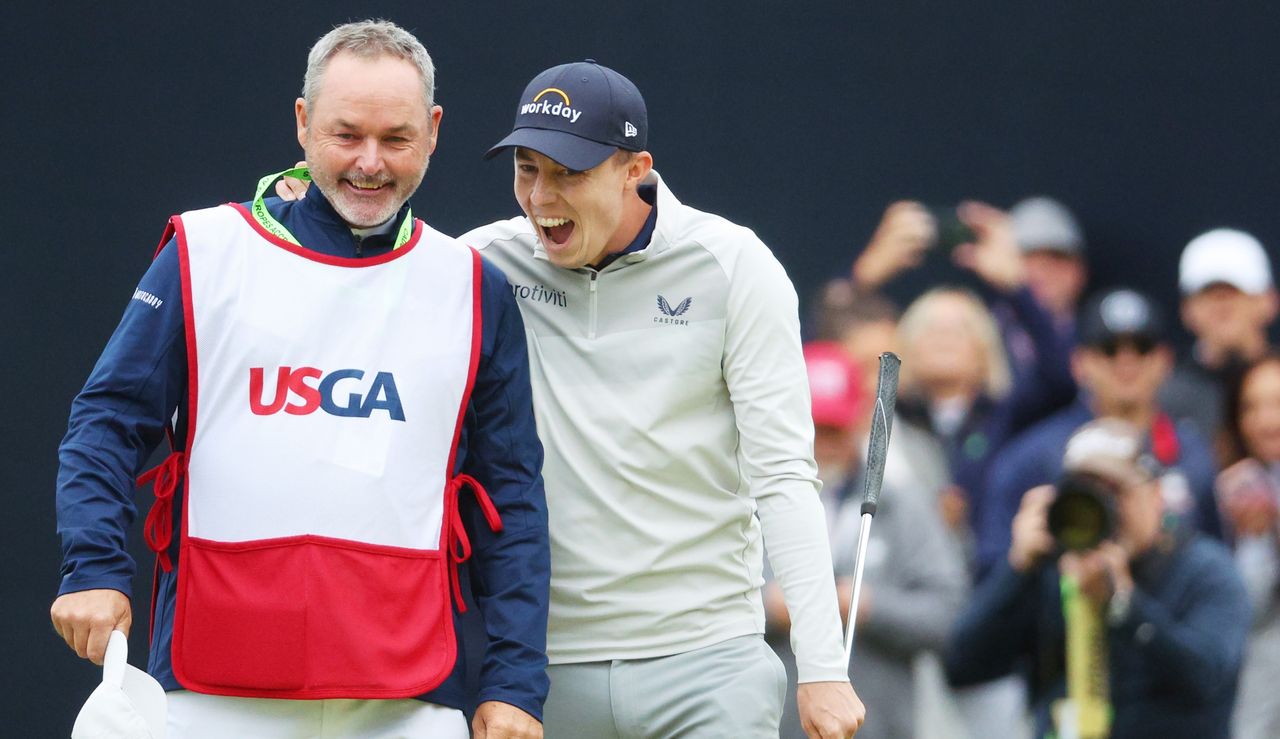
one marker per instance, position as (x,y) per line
(801,120)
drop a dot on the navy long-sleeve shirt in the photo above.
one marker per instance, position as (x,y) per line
(140,383)
(1174,660)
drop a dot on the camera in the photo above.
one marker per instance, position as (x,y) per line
(1082,514)
(951,231)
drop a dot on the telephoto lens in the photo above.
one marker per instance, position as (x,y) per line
(1082,514)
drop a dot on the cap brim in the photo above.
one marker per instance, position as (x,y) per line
(574,152)
(1067,250)
(1239,282)
(1093,340)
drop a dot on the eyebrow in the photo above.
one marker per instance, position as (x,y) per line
(402,128)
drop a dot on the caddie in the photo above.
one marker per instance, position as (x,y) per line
(346,391)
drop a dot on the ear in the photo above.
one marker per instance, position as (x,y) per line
(1187,312)
(1271,303)
(1079,366)
(433,135)
(300,113)
(639,168)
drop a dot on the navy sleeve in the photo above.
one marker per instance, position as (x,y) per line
(1199,649)
(511,570)
(1018,468)
(1196,461)
(1050,386)
(116,421)
(997,629)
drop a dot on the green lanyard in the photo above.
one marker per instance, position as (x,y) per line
(275,228)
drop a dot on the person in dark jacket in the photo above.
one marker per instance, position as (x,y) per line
(1120,363)
(1162,610)
(324,479)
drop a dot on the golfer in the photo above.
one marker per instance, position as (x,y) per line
(671,394)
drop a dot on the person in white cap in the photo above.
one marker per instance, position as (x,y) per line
(1228,303)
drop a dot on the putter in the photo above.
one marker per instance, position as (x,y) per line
(877,450)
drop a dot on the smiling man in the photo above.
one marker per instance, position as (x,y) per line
(671,394)
(309,539)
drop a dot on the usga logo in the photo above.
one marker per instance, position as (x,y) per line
(546,107)
(308,394)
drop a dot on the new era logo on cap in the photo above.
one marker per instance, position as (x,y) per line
(1124,311)
(1118,313)
(578,114)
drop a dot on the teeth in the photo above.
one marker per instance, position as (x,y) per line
(359,186)
(550,222)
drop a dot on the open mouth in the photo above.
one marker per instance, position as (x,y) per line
(556,230)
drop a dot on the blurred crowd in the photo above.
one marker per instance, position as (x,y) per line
(1077,534)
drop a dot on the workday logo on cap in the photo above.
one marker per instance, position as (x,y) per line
(578,114)
(542,105)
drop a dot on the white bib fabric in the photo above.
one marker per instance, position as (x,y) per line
(326,401)
(258,308)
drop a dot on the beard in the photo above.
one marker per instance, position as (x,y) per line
(359,212)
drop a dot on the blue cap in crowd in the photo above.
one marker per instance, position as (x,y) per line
(578,114)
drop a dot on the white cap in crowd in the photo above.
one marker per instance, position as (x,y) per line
(1228,256)
(1044,224)
(1112,449)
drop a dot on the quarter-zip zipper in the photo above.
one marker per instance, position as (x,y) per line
(359,246)
(591,329)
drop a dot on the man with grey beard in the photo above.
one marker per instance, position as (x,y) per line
(308,541)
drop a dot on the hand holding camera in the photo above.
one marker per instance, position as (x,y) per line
(1076,518)
(993,255)
(1031,541)
(1099,572)
(907,230)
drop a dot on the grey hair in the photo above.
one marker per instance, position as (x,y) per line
(368,39)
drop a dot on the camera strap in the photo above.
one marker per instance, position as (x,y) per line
(1164,440)
(1086,711)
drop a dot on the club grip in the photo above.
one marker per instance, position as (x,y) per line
(881,426)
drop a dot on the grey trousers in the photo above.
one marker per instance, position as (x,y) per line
(731,689)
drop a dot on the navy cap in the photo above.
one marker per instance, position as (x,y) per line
(1121,313)
(578,114)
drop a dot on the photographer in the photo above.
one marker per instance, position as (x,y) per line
(1170,605)
(1122,358)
